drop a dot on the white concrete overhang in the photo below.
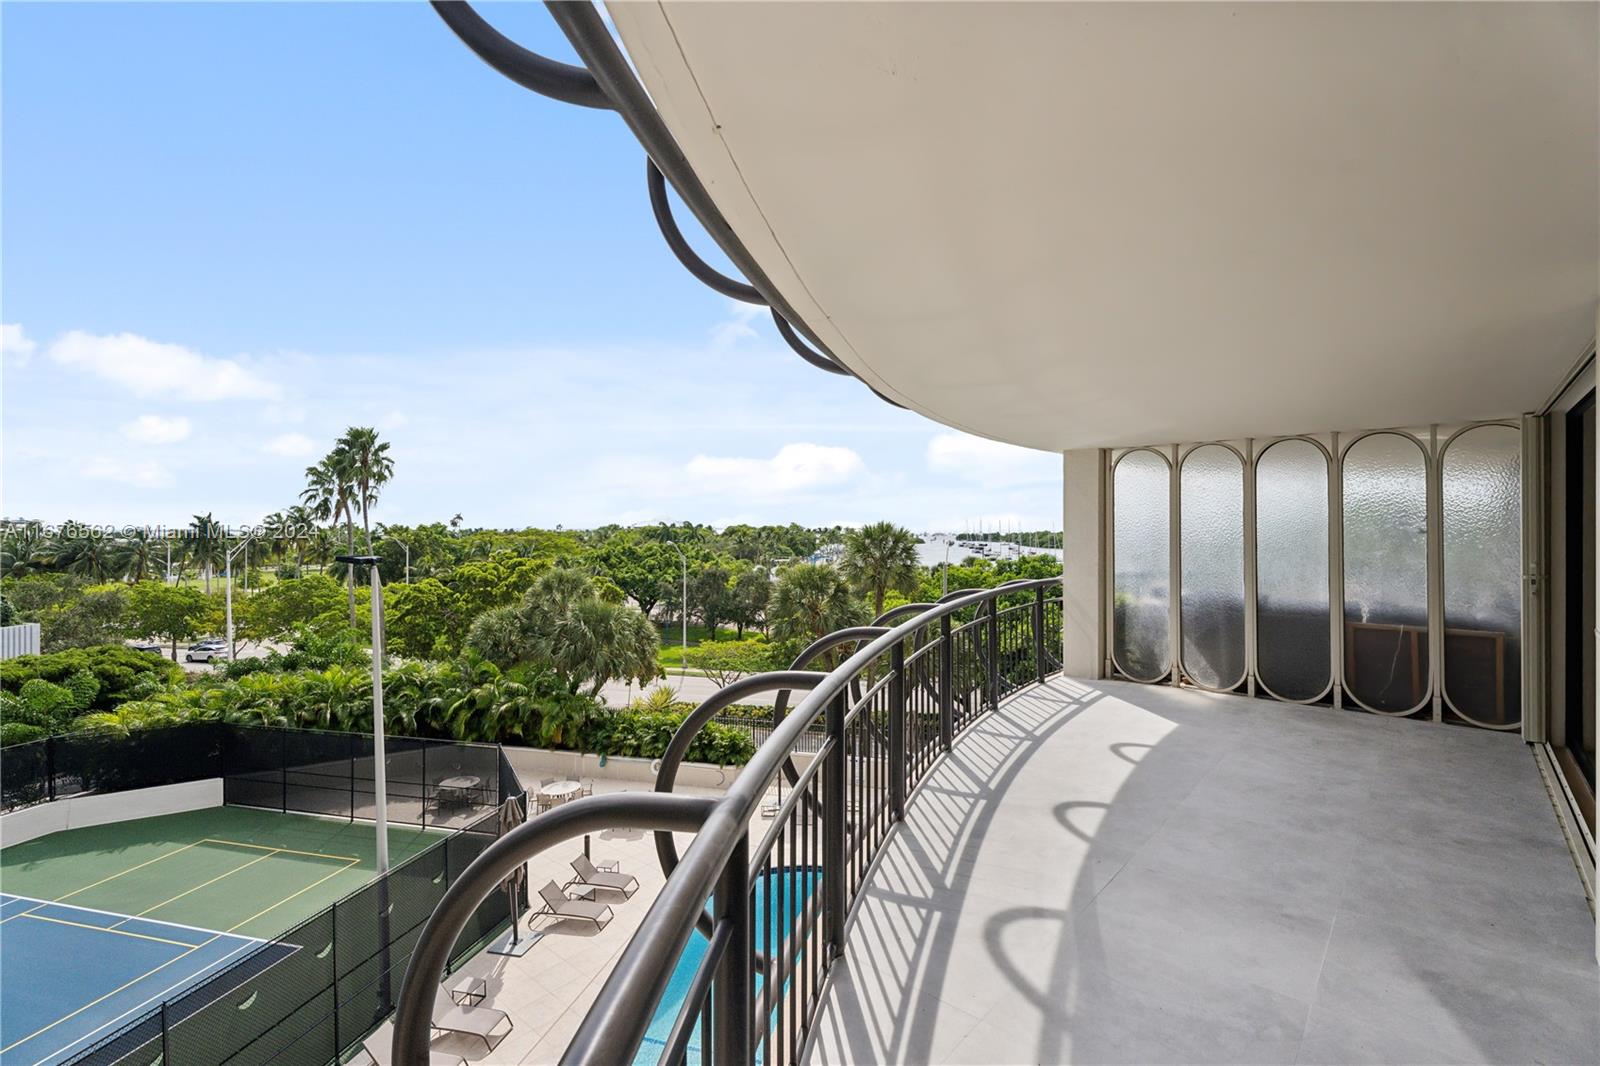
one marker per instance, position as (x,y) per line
(1064,225)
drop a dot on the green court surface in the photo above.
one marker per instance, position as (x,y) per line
(227,869)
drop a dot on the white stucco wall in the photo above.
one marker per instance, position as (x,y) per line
(75,812)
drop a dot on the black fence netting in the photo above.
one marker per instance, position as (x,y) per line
(314,993)
(77,763)
(429,782)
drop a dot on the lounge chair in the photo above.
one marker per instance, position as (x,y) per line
(380,1047)
(591,877)
(479,1021)
(557,905)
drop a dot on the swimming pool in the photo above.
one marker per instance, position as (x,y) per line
(798,884)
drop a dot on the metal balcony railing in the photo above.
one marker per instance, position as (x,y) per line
(775,915)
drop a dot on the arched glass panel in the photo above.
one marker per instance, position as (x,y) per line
(1386,572)
(1141,580)
(1482,497)
(1211,561)
(1292,636)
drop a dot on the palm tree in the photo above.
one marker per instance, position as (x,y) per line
(86,554)
(812,600)
(329,495)
(137,555)
(208,547)
(880,557)
(370,468)
(297,523)
(23,544)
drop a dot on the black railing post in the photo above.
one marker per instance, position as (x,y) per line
(166,1039)
(897,731)
(833,829)
(355,751)
(947,685)
(734,989)
(1038,635)
(283,768)
(993,630)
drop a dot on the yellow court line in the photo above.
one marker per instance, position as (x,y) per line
(107,929)
(198,887)
(129,870)
(285,851)
(303,891)
(114,991)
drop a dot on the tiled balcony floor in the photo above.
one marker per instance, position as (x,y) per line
(1109,872)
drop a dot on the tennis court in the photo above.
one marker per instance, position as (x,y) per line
(99,923)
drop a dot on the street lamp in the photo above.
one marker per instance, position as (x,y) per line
(380,783)
(683,662)
(227,569)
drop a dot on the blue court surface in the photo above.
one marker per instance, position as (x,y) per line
(73,975)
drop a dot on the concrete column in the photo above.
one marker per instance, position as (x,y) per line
(1083,585)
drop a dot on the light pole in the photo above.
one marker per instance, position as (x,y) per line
(683,662)
(227,569)
(380,782)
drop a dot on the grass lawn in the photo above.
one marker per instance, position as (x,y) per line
(671,654)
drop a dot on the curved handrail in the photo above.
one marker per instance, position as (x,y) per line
(622,1011)
(702,270)
(545,76)
(804,351)
(784,680)
(591,814)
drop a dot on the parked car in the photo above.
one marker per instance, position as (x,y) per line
(145,645)
(206,651)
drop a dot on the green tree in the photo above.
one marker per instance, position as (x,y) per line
(563,625)
(92,615)
(422,620)
(329,496)
(711,594)
(812,600)
(175,612)
(371,467)
(752,588)
(277,611)
(646,570)
(726,661)
(207,546)
(880,557)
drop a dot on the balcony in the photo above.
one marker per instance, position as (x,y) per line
(1111,872)
(988,862)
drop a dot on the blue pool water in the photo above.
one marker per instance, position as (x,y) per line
(798,885)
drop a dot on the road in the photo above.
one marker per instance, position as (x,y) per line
(691,689)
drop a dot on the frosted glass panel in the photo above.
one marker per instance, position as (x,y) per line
(1386,572)
(1292,637)
(1211,544)
(1140,558)
(1482,497)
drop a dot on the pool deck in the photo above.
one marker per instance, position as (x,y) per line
(548,991)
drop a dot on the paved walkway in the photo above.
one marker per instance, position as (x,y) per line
(1123,873)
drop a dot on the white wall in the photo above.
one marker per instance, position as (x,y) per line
(21,639)
(1083,489)
(535,764)
(75,812)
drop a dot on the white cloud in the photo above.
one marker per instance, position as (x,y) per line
(15,345)
(154,429)
(989,462)
(737,326)
(144,474)
(796,468)
(291,445)
(150,368)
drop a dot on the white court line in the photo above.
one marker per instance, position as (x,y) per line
(152,921)
(193,979)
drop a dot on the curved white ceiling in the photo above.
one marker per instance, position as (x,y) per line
(1084,224)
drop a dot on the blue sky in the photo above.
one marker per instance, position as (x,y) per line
(231,230)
